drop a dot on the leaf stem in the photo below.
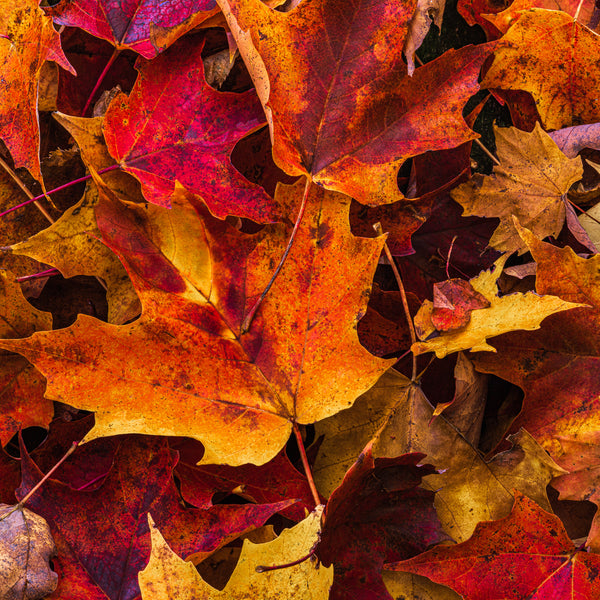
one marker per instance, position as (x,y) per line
(57,189)
(91,482)
(583,212)
(41,482)
(262,568)
(46,273)
(411,326)
(25,189)
(306,465)
(248,319)
(101,77)
(486,151)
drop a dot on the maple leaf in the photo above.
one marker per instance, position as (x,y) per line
(453,302)
(505,313)
(21,385)
(169,578)
(144,26)
(71,245)
(174,126)
(340,104)
(197,278)
(399,418)
(525,555)
(531,184)
(115,546)
(376,513)
(528,60)
(556,367)
(27,39)
(26,547)
(272,482)
(89,136)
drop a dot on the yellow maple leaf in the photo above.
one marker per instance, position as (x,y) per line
(505,313)
(530,184)
(168,577)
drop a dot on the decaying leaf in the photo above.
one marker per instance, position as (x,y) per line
(426,13)
(194,373)
(505,313)
(525,555)
(397,415)
(168,577)
(22,402)
(531,184)
(27,39)
(26,548)
(527,60)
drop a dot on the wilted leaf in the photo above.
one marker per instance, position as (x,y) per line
(27,39)
(175,127)
(378,512)
(525,555)
(167,577)
(352,131)
(245,389)
(26,547)
(426,13)
(531,184)
(22,402)
(528,60)
(400,419)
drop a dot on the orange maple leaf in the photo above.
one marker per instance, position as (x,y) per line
(184,368)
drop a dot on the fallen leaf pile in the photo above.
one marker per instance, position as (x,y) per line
(311,285)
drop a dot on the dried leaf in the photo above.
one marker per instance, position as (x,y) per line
(505,313)
(26,548)
(531,184)
(398,416)
(167,577)
(27,39)
(525,555)
(527,60)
